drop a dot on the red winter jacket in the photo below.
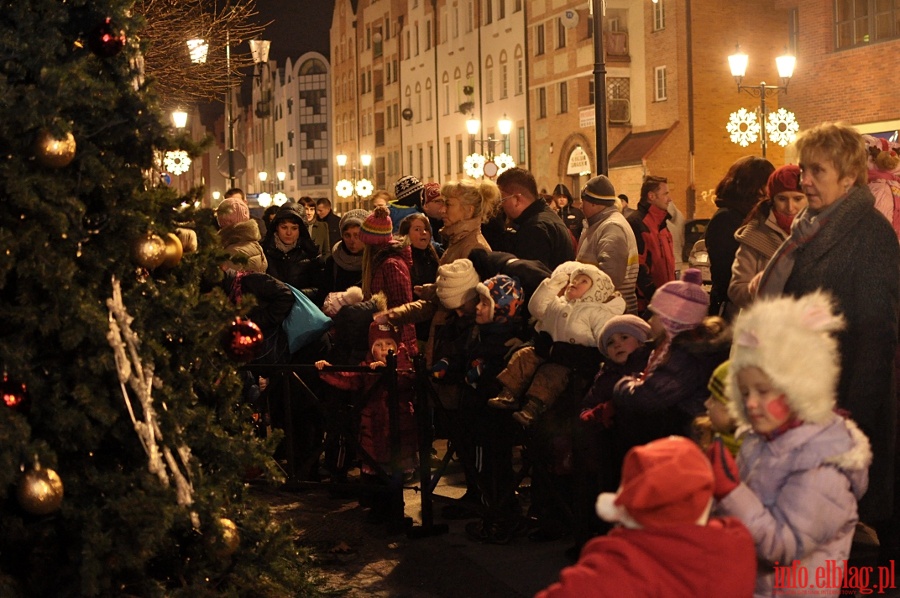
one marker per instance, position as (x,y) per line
(656,249)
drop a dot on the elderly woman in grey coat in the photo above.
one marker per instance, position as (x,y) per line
(841,244)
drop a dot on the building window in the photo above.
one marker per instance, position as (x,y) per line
(591,97)
(517,7)
(489,81)
(502,10)
(470,16)
(659,84)
(488,12)
(560,34)
(421,163)
(659,15)
(618,93)
(504,84)
(539,40)
(520,134)
(427,35)
(455,22)
(448,162)
(563,97)
(459,155)
(542,102)
(793,29)
(520,73)
(861,22)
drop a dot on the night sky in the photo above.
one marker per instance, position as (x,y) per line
(298,26)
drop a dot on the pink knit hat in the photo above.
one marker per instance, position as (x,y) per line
(231,211)
(682,301)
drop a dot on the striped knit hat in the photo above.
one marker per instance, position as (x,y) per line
(599,190)
(717,382)
(376,230)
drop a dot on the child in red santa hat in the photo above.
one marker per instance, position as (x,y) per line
(666,544)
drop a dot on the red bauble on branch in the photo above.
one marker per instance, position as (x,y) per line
(243,340)
(106,40)
(15,395)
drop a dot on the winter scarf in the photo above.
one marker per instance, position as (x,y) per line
(351,262)
(282,246)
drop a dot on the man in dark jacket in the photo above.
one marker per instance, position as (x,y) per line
(654,241)
(534,231)
(571,216)
(325,214)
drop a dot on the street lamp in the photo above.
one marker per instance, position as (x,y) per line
(198,49)
(259,48)
(281,176)
(179,119)
(744,126)
(488,164)
(358,184)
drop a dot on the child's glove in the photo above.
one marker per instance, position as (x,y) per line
(439,369)
(602,413)
(474,373)
(725,470)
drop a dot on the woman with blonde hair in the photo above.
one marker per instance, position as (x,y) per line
(469,203)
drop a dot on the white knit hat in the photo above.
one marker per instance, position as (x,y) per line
(456,283)
(792,341)
(335,301)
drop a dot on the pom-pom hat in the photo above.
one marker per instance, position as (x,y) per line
(379,331)
(684,301)
(231,211)
(338,299)
(409,191)
(664,483)
(599,190)
(786,178)
(376,228)
(505,296)
(792,341)
(624,324)
(456,283)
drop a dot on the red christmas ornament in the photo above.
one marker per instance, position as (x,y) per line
(14,394)
(106,40)
(243,340)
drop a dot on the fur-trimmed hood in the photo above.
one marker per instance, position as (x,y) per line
(792,341)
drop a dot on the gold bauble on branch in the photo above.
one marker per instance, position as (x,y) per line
(53,152)
(40,491)
(149,251)
(225,545)
(173,252)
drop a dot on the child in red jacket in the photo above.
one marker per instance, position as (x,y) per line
(667,544)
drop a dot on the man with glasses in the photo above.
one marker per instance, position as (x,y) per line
(534,232)
(654,241)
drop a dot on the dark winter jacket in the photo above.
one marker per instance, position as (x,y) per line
(333,222)
(300,266)
(573,218)
(539,234)
(274,301)
(856,258)
(721,246)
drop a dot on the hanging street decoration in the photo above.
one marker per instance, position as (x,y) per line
(177,162)
(743,126)
(782,127)
(477,165)
(344,188)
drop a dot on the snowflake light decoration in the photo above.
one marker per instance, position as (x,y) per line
(743,127)
(504,162)
(782,127)
(364,188)
(177,162)
(474,166)
(344,188)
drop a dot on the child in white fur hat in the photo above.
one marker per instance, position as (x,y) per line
(571,307)
(803,467)
(666,543)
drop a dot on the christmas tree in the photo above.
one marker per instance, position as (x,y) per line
(124,441)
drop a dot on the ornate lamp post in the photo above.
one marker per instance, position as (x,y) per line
(358,184)
(745,126)
(488,164)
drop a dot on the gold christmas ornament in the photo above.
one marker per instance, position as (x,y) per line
(53,152)
(149,251)
(225,545)
(173,252)
(40,491)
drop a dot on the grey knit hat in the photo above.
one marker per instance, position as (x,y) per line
(599,190)
(354,217)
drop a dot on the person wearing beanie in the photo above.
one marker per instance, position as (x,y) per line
(608,241)
(292,255)
(409,193)
(434,207)
(654,241)
(455,284)
(718,421)
(571,216)
(336,300)
(767,226)
(386,269)
(571,308)
(343,268)
(803,466)
(534,232)
(666,543)
(240,237)
(374,417)
(687,346)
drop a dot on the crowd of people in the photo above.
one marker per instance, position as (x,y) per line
(560,323)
